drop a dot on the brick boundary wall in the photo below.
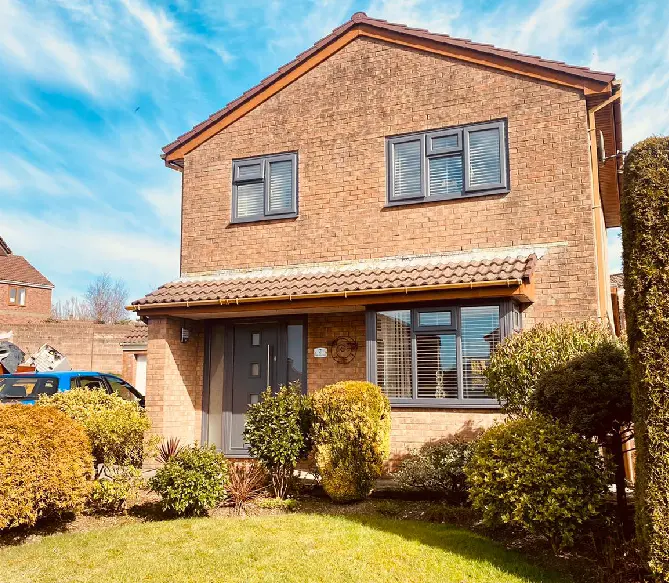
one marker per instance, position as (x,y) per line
(87,345)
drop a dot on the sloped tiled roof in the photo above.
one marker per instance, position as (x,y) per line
(617,280)
(138,335)
(371,276)
(361,19)
(17,269)
(4,248)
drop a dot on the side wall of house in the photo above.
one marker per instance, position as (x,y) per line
(174,379)
(38,305)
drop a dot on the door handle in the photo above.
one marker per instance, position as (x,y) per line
(269,351)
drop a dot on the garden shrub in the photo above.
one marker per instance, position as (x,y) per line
(45,464)
(116,427)
(278,433)
(192,482)
(591,394)
(536,474)
(645,229)
(246,481)
(352,438)
(437,467)
(113,493)
(517,363)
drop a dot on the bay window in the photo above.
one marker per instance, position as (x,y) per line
(435,356)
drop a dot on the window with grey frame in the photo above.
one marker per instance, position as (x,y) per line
(447,164)
(264,187)
(436,356)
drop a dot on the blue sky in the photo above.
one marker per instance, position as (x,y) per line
(92,90)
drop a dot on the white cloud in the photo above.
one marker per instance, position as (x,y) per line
(21,175)
(416,13)
(41,45)
(160,30)
(166,204)
(68,243)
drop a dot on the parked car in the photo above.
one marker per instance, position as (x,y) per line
(27,387)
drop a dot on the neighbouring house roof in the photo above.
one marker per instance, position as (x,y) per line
(138,335)
(617,280)
(368,276)
(464,49)
(16,269)
(4,248)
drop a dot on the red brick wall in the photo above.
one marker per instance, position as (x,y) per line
(38,305)
(87,345)
(337,117)
(174,379)
(323,329)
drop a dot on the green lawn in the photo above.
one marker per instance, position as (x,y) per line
(284,548)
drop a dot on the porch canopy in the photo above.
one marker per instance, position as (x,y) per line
(347,284)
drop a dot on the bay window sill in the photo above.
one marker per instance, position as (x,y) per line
(444,404)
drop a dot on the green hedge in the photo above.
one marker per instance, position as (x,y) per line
(645,223)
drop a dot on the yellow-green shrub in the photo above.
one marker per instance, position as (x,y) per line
(116,427)
(352,437)
(113,493)
(519,361)
(45,464)
(645,222)
(536,474)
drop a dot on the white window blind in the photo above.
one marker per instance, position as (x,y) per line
(480,336)
(436,365)
(280,186)
(250,199)
(445,176)
(484,158)
(407,177)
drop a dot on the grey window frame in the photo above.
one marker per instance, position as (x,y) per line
(429,151)
(506,322)
(264,176)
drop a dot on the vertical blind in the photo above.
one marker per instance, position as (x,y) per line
(484,158)
(407,169)
(480,332)
(393,351)
(280,186)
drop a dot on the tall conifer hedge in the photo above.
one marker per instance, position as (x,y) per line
(645,227)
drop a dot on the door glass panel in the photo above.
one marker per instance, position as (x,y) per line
(255,369)
(295,353)
(255,339)
(215,414)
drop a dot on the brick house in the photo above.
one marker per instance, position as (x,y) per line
(388,206)
(25,294)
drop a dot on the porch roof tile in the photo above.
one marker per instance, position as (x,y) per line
(360,276)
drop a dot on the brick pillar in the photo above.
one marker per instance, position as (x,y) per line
(174,379)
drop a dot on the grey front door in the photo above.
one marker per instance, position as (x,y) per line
(255,359)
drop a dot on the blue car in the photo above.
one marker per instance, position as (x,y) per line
(27,387)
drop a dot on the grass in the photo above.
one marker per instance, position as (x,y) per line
(287,548)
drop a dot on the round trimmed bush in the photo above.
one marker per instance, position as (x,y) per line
(518,362)
(352,438)
(45,464)
(116,427)
(437,467)
(192,482)
(537,475)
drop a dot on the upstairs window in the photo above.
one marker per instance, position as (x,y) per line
(264,188)
(17,296)
(447,164)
